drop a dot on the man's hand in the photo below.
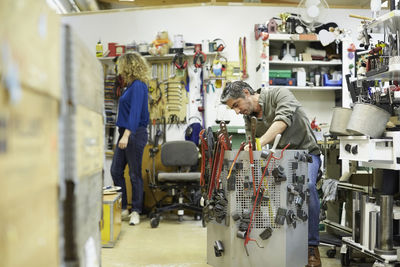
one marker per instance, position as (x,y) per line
(123,143)
(246,147)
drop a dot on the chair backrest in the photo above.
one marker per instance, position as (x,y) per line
(179,153)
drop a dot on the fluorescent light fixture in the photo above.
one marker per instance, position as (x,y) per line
(127,0)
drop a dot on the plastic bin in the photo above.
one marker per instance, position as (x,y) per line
(328,82)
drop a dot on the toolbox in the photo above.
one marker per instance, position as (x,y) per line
(111,222)
(283,81)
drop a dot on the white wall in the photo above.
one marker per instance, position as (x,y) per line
(207,22)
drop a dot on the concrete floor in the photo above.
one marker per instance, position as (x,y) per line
(172,244)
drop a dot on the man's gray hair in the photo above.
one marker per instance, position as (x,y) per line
(234,90)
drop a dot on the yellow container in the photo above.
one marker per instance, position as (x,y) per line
(111,222)
(99,49)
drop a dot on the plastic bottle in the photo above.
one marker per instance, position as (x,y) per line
(99,49)
(292,49)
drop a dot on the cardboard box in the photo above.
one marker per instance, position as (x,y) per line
(29,225)
(29,231)
(29,155)
(82,209)
(111,222)
(89,136)
(86,74)
(31,45)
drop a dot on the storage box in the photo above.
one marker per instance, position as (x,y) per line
(280,73)
(31,45)
(84,72)
(82,218)
(29,156)
(29,231)
(89,136)
(84,143)
(111,222)
(328,82)
(283,81)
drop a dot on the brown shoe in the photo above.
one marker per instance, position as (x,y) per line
(313,257)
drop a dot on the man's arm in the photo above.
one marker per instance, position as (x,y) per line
(277,127)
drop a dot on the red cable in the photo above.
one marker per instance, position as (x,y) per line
(252,166)
(258,191)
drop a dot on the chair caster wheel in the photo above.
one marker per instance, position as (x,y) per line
(154,222)
(331,253)
(180,218)
(345,258)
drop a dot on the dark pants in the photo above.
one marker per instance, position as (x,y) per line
(313,205)
(131,155)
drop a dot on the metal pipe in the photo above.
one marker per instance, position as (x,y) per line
(385,246)
(373,229)
(363,203)
(356,216)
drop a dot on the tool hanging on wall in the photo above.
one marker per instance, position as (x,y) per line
(244,55)
(219,66)
(199,59)
(154,71)
(240,55)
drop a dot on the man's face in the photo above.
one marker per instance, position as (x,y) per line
(241,105)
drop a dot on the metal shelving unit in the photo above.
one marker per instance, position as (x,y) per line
(390,20)
(388,75)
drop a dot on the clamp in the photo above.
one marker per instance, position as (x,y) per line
(199,59)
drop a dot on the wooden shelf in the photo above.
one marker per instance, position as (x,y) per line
(309,88)
(154,58)
(307,63)
(294,37)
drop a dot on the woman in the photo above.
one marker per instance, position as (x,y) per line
(133,117)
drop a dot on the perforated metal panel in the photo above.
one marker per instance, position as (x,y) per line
(286,245)
(264,216)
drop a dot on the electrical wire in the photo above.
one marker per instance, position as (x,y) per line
(246,241)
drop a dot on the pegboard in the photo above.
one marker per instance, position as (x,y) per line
(277,192)
(285,245)
(167,93)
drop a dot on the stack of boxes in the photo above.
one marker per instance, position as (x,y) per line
(83,118)
(30,95)
(51,141)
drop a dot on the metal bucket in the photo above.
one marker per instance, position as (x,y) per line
(340,119)
(368,119)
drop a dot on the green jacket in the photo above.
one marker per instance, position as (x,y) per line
(279,104)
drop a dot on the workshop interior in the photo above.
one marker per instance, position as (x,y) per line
(200,187)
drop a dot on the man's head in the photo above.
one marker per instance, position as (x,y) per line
(237,95)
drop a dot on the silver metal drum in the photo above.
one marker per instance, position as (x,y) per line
(340,119)
(367,119)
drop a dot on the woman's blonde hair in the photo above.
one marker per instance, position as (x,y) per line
(133,66)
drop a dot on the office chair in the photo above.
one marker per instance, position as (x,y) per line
(182,185)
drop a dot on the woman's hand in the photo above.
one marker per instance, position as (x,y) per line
(123,143)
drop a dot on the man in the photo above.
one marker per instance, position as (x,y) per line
(278,112)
